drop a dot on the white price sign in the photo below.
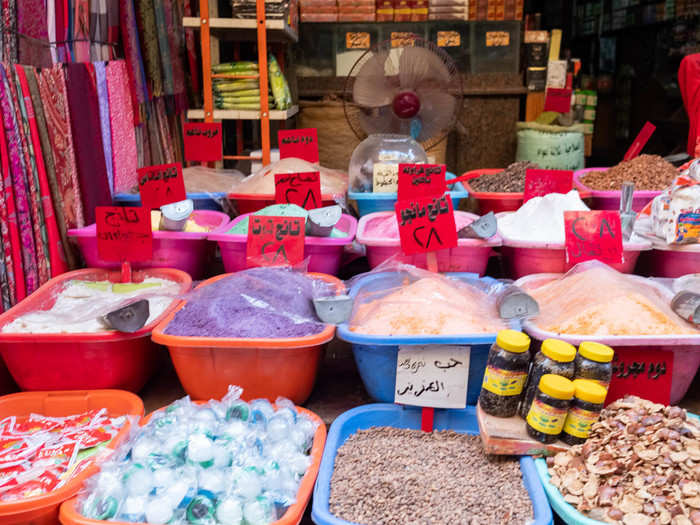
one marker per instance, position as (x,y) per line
(432,376)
(385,178)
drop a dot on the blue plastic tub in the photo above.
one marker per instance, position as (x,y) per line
(371,202)
(367,416)
(202,201)
(375,355)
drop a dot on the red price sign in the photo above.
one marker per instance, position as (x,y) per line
(275,241)
(421,180)
(543,182)
(203,141)
(644,373)
(124,233)
(593,235)
(302,189)
(299,143)
(426,224)
(557,99)
(162,184)
(640,141)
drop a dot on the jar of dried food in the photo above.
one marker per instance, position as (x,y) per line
(594,362)
(506,373)
(547,415)
(585,409)
(554,357)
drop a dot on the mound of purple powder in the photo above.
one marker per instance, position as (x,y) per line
(256,303)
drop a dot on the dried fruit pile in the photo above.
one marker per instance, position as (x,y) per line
(641,466)
(510,180)
(647,172)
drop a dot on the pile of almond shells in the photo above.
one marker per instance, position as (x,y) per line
(640,466)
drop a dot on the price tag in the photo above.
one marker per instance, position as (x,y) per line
(432,376)
(160,185)
(449,39)
(640,141)
(385,178)
(203,141)
(497,38)
(354,40)
(558,100)
(593,235)
(299,143)
(275,241)
(302,189)
(421,180)
(124,233)
(426,224)
(402,39)
(543,182)
(644,373)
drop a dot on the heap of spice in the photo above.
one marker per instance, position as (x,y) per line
(647,172)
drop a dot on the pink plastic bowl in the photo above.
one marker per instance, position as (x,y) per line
(671,263)
(325,254)
(470,255)
(189,252)
(610,200)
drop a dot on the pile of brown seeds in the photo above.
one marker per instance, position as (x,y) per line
(647,172)
(510,180)
(387,475)
(640,466)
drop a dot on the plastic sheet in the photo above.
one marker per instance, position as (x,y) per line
(201,179)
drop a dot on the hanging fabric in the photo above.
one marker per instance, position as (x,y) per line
(32,29)
(124,149)
(132,53)
(148,34)
(11,252)
(103,100)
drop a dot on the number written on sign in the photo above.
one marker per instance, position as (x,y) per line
(426,224)
(275,241)
(302,189)
(160,185)
(124,233)
(593,235)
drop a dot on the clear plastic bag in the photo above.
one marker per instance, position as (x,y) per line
(201,179)
(675,214)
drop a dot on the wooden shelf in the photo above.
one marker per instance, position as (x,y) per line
(233,114)
(276,28)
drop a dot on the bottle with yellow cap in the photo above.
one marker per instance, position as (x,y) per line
(554,357)
(547,414)
(594,362)
(506,373)
(585,409)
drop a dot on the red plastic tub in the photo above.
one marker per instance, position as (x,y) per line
(83,361)
(610,200)
(43,509)
(267,368)
(250,203)
(671,262)
(189,252)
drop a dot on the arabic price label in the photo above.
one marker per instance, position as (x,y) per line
(124,233)
(203,141)
(497,38)
(421,180)
(302,189)
(426,224)
(557,99)
(449,39)
(640,372)
(432,376)
(299,143)
(357,40)
(543,182)
(385,177)
(160,185)
(275,241)
(593,235)
(640,141)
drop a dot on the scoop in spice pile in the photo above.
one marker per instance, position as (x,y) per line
(647,172)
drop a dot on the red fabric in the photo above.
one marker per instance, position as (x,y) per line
(689,82)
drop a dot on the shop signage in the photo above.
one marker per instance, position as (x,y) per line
(402,39)
(160,185)
(593,235)
(357,40)
(421,180)
(643,373)
(124,233)
(299,143)
(203,141)
(426,224)
(275,241)
(497,38)
(449,39)
(302,189)
(543,182)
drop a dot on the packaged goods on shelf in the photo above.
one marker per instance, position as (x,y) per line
(278,9)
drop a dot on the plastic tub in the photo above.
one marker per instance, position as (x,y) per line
(251,202)
(189,252)
(685,348)
(267,368)
(43,509)
(375,355)
(325,254)
(364,417)
(201,200)
(672,262)
(470,255)
(373,202)
(70,515)
(83,360)
(610,200)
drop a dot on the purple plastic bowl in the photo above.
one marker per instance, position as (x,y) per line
(610,200)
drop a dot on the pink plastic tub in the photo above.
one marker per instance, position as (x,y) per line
(610,200)
(671,262)
(189,252)
(325,254)
(470,255)
(685,348)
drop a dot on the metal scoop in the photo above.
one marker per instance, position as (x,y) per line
(687,305)
(321,221)
(627,216)
(334,310)
(129,318)
(514,303)
(484,227)
(174,215)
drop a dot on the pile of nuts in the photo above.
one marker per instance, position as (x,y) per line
(647,172)
(510,180)
(389,476)
(640,466)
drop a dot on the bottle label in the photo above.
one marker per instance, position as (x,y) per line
(504,382)
(546,418)
(579,422)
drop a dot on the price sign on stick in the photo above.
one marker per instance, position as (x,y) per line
(421,180)
(124,233)
(302,189)
(593,235)
(640,141)
(644,373)
(203,141)
(275,241)
(542,182)
(426,224)
(160,185)
(557,99)
(299,143)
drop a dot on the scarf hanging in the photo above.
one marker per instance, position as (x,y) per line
(11,253)
(148,34)
(103,100)
(124,150)
(132,53)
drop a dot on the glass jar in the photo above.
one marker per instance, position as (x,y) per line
(594,362)
(547,415)
(585,409)
(506,373)
(554,357)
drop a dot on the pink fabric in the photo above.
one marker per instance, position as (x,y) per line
(121,118)
(32,21)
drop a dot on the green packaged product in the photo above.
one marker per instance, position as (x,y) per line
(235,85)
(241,67)
(278,84)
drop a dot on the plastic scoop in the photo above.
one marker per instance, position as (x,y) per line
(320,221)
(627,216)
(484,227)
(333,310)
(174,215)
(129,318)
(687,305)
(514,303)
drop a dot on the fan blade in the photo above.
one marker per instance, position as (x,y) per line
(437,113)
(371,88)
(419,66)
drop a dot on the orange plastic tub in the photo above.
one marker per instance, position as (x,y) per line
(43,509)
(69,514)
(264,368)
